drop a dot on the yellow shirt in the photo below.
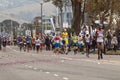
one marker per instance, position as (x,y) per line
(64,35)
(75,39)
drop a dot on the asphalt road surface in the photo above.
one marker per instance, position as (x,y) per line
(16,65)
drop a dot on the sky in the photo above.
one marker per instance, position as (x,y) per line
(24,10)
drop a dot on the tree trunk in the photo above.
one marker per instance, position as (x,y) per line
(77,15)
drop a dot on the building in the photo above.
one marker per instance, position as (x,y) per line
(45,21)
(64,20)
(44,25)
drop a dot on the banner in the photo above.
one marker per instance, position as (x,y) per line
(51,19)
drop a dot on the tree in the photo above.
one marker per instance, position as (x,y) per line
(77,15)
(76,8)
(9,25)
(102,9)
(97,9)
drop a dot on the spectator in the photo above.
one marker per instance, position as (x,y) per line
(114,42)
(118,38)
(87,43)
(47,42)
(4,43)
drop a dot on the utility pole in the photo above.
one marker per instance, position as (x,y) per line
(11,31)
(41,17)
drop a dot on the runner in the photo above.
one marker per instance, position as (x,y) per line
(20,41)
(57,43)
(28,43)
(80,43)
(37,44)
(100,40)
(4,43)
(65,41)
(42,43)
(33,43)
(94,43)
(24,43)
(114,42)
(75,43)
(47,42)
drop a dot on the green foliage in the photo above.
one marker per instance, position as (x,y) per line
(97,9)
(102,9)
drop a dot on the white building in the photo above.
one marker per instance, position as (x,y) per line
(66,16)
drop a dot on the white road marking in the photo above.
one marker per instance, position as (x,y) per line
(30,66)
(65,78)
(26,65)
(47,72)
(56,75)
(62,61)
(35,68)
(99,63)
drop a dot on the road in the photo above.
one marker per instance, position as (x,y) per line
(16,65)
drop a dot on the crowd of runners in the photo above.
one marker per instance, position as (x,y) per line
(64,42)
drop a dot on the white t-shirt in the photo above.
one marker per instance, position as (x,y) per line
(100,36)
(37,42)
(87,38)
(114,40)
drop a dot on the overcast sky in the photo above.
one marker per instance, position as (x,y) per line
(25,9)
